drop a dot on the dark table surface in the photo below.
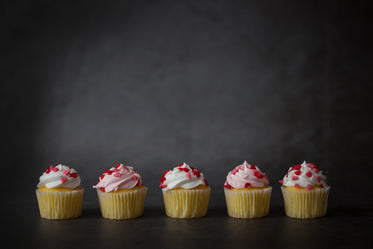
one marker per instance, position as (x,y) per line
(341,228)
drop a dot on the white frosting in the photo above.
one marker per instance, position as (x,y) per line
(183,176)
(63,177)
(315,177)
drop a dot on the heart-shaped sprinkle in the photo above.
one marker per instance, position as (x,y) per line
(102,189)
(247,185)
(162,186)
(309,187)
(316,170)
(134,178)
(298,172)
(297,167)
(294,178)
(252,166)
(296,186)
(188,175)
(74,175)
(54,169)
(227,185)
(281,181)
(63,179)
(318,178)
(66,172)
(309,174)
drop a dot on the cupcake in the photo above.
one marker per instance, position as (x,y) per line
(305,191)
(186,192)
(247,193)
(121,193)
(59,193)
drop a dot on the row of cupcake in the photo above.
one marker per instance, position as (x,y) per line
(186,192)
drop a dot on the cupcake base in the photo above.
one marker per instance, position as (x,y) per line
(55,204)
(248,203)
(186,203)
(304,204)
(122,204)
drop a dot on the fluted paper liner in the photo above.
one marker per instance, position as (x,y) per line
(122,205)
(248,203)
(305,204)
(60,204)
(186,203)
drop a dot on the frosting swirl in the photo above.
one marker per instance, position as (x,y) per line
(246,176)
(182,176)
(119,177)
(305,175)
(60,176)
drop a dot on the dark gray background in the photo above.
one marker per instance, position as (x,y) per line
(212,83)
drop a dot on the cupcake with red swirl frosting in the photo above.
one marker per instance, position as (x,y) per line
(121,193)
(305,191)
(247,193)
(186,192)
(59,193)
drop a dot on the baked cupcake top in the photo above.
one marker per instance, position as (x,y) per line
(60,176)
(119,177)
(246,176)
(182,176)
(305,175)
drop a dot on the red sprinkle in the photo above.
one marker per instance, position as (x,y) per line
(227,185)
(322,186)
(252,166)
(206,183)
(63,179)
(318,178)
(296,185)
(281,181)
(118,165)
(134,177)
(235,170)
(47,171)
(247,185)
(166,171)
(309,174)
(184,169)
(257,174)
(163,186)
(309,187)
(74,175)
(102,189)
(316,170)
(66,172)
(297,166)
(163,178)
(117,174)
(196,172)
(298,172)
(181,164)
(188,175)
(294,178)
(311,165)
(54,169)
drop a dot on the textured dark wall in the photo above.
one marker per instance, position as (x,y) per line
(211,83)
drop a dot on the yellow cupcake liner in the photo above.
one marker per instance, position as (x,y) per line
(248,203)
(60,204)
(304,204)
(122,204)
(186,203)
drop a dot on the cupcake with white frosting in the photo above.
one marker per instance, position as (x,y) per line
(305,191)
(247,193)
(186,192)
(59,193)
(121,193)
